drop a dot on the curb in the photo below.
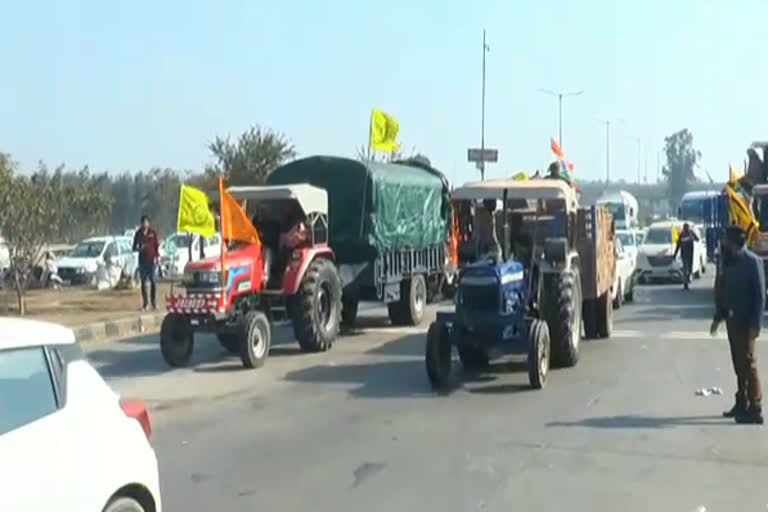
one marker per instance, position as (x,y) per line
(101,332)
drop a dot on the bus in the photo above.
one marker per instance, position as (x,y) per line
(623,206)
(708,209)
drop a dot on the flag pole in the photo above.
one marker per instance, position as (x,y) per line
(370,124)
(223,255)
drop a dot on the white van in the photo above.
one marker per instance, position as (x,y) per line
(623,206)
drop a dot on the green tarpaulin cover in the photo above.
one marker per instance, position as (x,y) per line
(375,206)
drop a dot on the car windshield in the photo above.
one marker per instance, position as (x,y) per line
(626,239)
(88,249)
(618,211)
(659,236)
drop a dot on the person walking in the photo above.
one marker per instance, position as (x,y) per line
(740,301)
(684,246)
(146,243)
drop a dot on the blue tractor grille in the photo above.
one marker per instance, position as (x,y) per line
(479,296)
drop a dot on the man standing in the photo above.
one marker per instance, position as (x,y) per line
(685,248)
(146,243)
(484,231)
(740,300)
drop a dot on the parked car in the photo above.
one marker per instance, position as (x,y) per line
(67,441)
(81,265)
(655,259)
(623,289)
(175,252)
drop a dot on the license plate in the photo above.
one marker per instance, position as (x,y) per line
(190,303)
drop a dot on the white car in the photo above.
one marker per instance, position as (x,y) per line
(623,289)
(67,441)
(81,265)
(655,258)
(175,251)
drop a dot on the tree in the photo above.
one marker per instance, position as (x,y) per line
(35,210)
(682,158)
(257,152)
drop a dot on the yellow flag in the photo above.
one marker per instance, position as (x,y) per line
(740,214)
(733,175)
(521,176)
(384,128)
(194,214)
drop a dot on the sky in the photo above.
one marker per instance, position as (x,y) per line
(125,86)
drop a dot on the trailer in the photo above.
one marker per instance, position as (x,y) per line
(389,229)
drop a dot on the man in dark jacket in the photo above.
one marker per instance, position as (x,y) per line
(146,243)
(740,300)
(685,248)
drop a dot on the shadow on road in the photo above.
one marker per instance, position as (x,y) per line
(650,422)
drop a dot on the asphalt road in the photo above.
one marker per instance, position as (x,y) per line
(358,428)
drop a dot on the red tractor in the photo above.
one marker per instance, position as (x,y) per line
(290,276)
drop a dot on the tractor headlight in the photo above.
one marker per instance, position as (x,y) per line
(510,301)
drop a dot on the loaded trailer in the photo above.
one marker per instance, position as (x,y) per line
(389,229)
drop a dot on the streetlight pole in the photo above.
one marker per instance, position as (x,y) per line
(560,96)
(607,152)
(638,160)
(486,49)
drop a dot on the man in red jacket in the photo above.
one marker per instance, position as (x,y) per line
(146,243)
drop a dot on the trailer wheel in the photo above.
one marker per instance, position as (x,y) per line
(604,315)
(538,353)
(255,339)
(619,300)
(316,310)
(176,340)
(349,305)
(409,310)
(561,308)
(438,357)
(589,315)
(230,341)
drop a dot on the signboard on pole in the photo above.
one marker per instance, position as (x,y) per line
(482,155)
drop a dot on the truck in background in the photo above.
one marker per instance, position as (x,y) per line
(707,209)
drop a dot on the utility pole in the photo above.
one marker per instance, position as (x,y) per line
(559,96)
(607,152)
(486,49)
(645,177)
(658,166)
(638,160)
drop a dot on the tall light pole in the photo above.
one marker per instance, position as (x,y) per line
(607,152)
(486,49)
(559,96)
(638,160)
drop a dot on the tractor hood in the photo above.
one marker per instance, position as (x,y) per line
(491,273)
(235,258)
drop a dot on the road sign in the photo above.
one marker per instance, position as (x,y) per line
(482,155)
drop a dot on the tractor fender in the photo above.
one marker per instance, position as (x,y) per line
(299,263)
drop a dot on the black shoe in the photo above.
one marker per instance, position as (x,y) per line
(736,410)
(750,418)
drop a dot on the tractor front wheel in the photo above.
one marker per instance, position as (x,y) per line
(538,353)
(317,307)
(255,339)
(438,357)
(176,340)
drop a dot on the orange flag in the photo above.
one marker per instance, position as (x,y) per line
(556,149)
(234,222)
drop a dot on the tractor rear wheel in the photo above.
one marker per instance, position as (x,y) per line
(230,341)
(177,340)
(438,357)
(409,310)
(538,353)
(561,308)
(316,310)
(255,339)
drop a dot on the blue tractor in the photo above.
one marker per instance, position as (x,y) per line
(549,276)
